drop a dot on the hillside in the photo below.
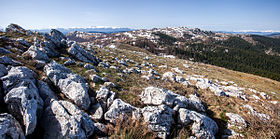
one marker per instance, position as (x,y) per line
(253,54)
(105,86)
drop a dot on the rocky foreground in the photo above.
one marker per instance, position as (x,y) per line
(51,87)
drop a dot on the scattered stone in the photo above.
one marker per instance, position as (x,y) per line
(169,76)
(264,95)
(236,120)
(89,67)
(177,70)
(69,62)
(45,92)
(255,113)
(100,129)
(157,96)
(95,78)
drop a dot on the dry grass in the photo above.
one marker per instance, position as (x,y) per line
(264,129)
(133,85)
(130,129)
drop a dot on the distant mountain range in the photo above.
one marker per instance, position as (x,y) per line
(90,30)
(262,33)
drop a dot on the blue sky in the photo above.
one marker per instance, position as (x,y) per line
(227,15)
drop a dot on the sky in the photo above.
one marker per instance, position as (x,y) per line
(216,15)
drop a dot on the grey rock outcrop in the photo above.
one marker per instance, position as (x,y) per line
(157,96)
(202,126)
(159,119)
(119,110)
(62,119)
(81,54)
(14,28)
(72,85)
(10,127)
(4,51)
(8,61)
(23,42)
(35,53)
(22,96)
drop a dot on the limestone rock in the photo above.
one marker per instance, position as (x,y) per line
(81,54)
(119,110)
(10,127)
(72,85)
(169,76)
(236,120)
(157,96)
(22,96)
(15,28)
(37,54)
(62,119)
(4,51)
(8,61)
(202,127)
(69,62)
(159,119)
(96,112)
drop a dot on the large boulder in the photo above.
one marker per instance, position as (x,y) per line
(202,126)
(49,48)
(158,96)
(159,119)
(81,54)
(119,110)
(10,127)
(57,35)
(56,38)
(35,53)
(62,119)
(22,96)
(72,85)
(193,102)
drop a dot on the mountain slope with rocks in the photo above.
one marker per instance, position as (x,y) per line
(53,87)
